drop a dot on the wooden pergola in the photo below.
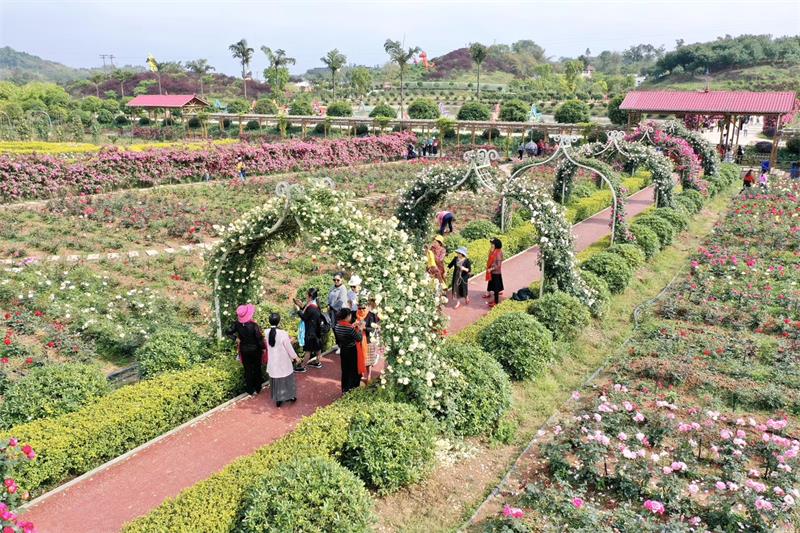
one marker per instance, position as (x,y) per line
(189,104)
(732,106)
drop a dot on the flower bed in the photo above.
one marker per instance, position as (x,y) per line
(44,176)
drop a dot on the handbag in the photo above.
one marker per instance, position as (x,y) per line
(265,355)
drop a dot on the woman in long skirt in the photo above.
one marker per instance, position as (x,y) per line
(280,354)
(347,337)
(251,346)
(311,316)
(494,274)
(462,267)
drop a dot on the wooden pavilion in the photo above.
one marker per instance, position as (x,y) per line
(189,104)
(732,107)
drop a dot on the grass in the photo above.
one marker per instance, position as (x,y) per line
(422,509)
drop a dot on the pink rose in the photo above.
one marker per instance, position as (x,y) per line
(693,489)
(577,502)
(720,485)
(512,512)
(654,506)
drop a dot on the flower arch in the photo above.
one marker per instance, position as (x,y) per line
(700,145)
(687,162)
(556,257)
(374,248)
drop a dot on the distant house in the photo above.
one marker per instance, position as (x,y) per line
(588,72)
(304,86)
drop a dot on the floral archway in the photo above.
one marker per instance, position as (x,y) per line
(699,144)
(374,248)
(687,161)
(556,245)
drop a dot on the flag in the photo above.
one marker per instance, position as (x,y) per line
(152,63)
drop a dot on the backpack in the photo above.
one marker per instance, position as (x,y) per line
(325,324)
(523,295)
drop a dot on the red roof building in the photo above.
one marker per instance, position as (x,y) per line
(710,103)
(167,101)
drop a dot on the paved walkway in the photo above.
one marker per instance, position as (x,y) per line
(133,486)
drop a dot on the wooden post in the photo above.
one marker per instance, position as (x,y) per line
(303,126)
(508,143)
(473,134)
(776,139)
(458,134)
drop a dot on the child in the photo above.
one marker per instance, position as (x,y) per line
(763,182)
(241,170)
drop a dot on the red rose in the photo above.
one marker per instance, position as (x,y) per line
(4,360)
(29,360)
(37,313)
(7,341)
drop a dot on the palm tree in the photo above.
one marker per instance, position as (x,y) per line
(201,68)
(277,60)
(401,57)
(97,79)
(334,60)
(244,54)
(478,53)
(122,76)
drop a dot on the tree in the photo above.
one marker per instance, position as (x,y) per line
(239,50)
(615,114)
(528,47)
(478,53)
(200,68)
(474,111)
(572,69)
(277,74)
(514,111)
(424,108)
(334,60)
(572,112)
(361,80)
(122,76)
(97,79)
(401,57)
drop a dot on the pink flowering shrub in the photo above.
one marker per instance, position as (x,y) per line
(13,453)
(687,163)
(45,176)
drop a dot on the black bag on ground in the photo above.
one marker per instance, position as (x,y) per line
(523,295)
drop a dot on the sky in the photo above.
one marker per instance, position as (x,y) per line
(77,32)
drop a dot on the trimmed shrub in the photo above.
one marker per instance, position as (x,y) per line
(383,110)
(690,200)
(520,343)
(763,147)
(423,108)
(479,229)
(470,334)
(238,106)
(602,294)
(453,241)
(474,401)
(793,145)
(493,132)
(359,129)
(169,348)
(678,220)
(301,106)
(121,120)
(563,314)
(252,125)
(632,254)
(663,229)
(474,111)
(340,109)
(51,390)
(307,494)
(72,444)
(265,106)
(514,111)
(390,445)
(104,116)
(193,122)
(144,121)
(646,239)
(572,112)
(613,269)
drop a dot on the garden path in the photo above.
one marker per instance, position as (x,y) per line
(106,499)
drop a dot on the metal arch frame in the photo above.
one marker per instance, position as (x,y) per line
(563,148)
(45,113)
(8,120)
(287,191)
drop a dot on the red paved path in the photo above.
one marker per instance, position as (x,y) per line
(134,486)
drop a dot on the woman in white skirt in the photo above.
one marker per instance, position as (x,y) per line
(280,354)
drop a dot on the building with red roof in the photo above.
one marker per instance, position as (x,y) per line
(167,101)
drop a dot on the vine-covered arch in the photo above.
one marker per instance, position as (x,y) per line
(556,256)
(374,248)
(699,144)
(687,161)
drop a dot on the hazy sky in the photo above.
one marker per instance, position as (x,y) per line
(76,32)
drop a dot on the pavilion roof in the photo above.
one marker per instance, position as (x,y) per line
(166,100)
(710,102)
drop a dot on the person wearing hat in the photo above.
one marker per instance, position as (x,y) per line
(462,267)
(250,340)
(337,298)
(439,253)
(280,354)
(352,294)
(494,275)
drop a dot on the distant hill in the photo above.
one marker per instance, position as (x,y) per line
(754,78)
(454,63)
(22,67)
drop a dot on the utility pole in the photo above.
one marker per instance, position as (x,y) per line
(103,57)
(111,57)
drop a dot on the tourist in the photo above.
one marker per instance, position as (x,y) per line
(337,297)
(362,347)
(411,151)
(739,155)
(540,147)
(372,330)
(311,316)
(346,338)
(494,275)
(352,294)
(794,170)
(530,148)
(250,341)
(747,182)
(445,220)
(521,149)
(240,169)
(280,354)
(439,253)
(763,182)
(462,268)
(435,147)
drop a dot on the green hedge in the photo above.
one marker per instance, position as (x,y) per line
(679,220)
(72,444)
(646,239)
(583,208)
(520,343)
(602,294)
(664,230)
(169,348)
(563,314)
(479,229)
(632,254)
(613,269)
(308,494)
(469,335)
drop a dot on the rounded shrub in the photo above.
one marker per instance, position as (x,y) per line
(793,145)
(493,132)
(479,229)
(602,296)
(104,116)
(226,123)
(359,129)
(144,121)
(51,390)
(563,314)
(169,348)
(632,254)
(320,127)
(572,112)
(474,400)
(121,120)
(613,269)
(340,109)
(389,445)
(679,221)
(646,239)
(521,344)
(252,125)
(238,106)
(474,111)
(690,200)
(265,106)
(423,108)
(301,106)
(193,122)
(763,147)
(307,494)
(514,111)
(383,110)
(663,229)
